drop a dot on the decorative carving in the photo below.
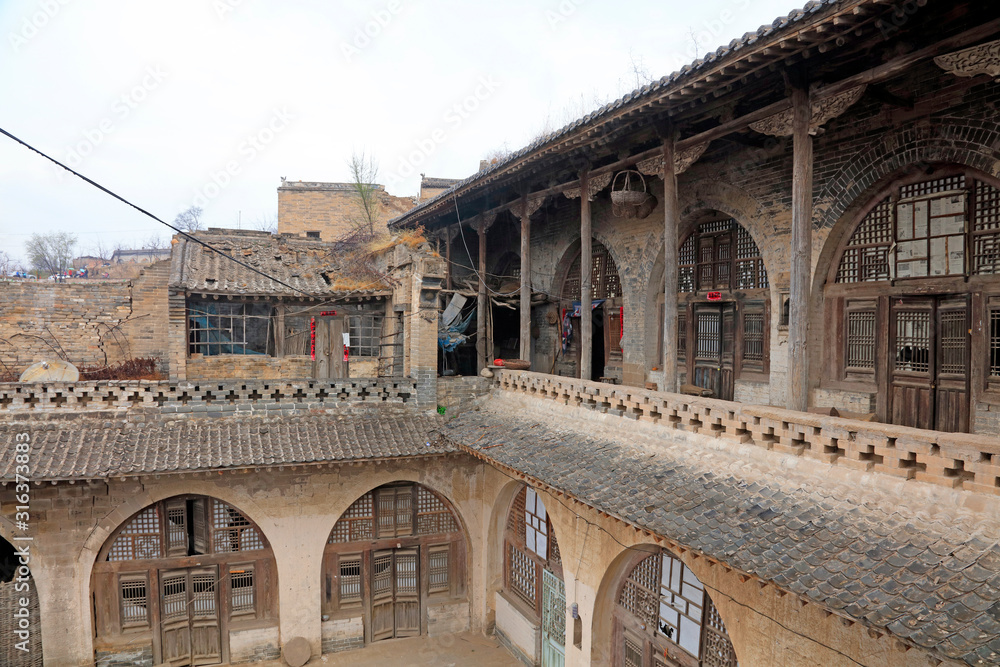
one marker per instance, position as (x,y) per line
(780,124)
(483,221)
(982,59)
(534,203)
(597,183)
(682,161)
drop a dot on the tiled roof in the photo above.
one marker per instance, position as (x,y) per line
(315,267)
(903,560)
(685,75)
(93,448)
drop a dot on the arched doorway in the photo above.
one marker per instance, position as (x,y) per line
(394,566)
(533,579)
(607,313)
(180,579)
(723,319)
(20,622)
(664,617)
(913,300)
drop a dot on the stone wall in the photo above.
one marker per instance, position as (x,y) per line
(254,645)
(343,634)
(85,323)
(456,394)
(331,209)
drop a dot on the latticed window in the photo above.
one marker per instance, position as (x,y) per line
(133,597)
(433,516)
(392,510)
(994,342)
(241,589)
(437,562)
(140,539)
(356,523)
(913,341)
(924,230)
(664,602)
(229,327)
(536,534)
(861,337)
(366,334)
(605,282)
(722,255)
(522,574)
(753,338)
(350,579)
(232,531)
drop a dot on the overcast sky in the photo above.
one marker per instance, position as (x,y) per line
(211,102)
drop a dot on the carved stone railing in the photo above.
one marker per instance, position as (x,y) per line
(956,460)
(210,396)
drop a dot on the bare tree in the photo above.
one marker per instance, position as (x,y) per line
(267,222)
(189,220)
(6,264)
(155,242)
(102,250)
(51,252)
(364,175)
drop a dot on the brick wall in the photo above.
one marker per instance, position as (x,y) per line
(456,394)
(233,366)
(329,208)
(444,619)
(88,324)
(343,634)
(255,645)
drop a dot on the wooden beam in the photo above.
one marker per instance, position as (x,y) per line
(586,279)
(525,278)
(798,318)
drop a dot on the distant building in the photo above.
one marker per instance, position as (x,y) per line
(431,187)
(139,255)
(86,262)
(328,211)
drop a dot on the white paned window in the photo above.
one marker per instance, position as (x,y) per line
(536,533)
(682,598)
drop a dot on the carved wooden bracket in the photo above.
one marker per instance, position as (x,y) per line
(780,124)
(982,59)
(682,161)
(597,183)
(534,203)
(483,221)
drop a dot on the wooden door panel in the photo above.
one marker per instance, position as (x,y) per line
(176,631)
(912,405)
(952,383)
(206,643)
(911,376)
(383,614)
(727,362)
(407,598)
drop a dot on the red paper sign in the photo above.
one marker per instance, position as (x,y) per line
(328,313)
(715,296)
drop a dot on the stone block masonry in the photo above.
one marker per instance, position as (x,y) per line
(331,209)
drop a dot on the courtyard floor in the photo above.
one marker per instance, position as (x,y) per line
(466,648)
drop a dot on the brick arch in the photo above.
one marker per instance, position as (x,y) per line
(100,534)
(462,523)
(855,186)
(606,598)
(970,144)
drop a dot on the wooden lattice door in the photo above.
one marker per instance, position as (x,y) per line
(553,620)
(190,633)
(929,362)
(395,593)
(714,349)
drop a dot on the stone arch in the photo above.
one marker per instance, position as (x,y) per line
(494,542)
(604,637)
(195,551)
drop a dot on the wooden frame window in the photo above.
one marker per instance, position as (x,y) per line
(365,329)
(522,575)
(438,568)
(536,532)
(350,588)
(133,595)
(860,338)
(232,531)
(605,281)
(720,255)
(141,539)
(994,339)
(242,589)
(753,352)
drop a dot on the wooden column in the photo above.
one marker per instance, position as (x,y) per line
(671,225)
(482,349)
(586,280)
(447,257)
(525,313)
(798,311)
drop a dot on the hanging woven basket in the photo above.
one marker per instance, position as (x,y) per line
(625,191)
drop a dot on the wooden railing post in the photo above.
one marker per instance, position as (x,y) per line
(798,315)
